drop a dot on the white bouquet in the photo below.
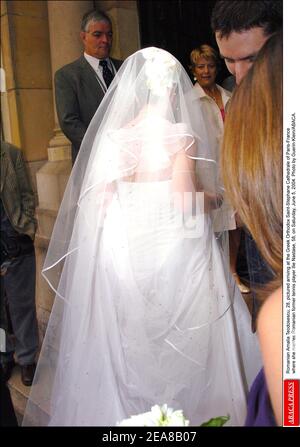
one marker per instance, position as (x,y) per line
(160,416)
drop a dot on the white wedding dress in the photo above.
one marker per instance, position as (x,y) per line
(168,334)
(146,311)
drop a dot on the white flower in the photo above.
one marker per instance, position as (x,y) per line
(160,67)
(158,416)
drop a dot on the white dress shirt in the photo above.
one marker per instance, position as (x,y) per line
(94,63)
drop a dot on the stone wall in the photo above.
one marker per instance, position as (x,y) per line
(26,59)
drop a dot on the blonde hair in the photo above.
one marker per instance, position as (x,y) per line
(203,51)
(251,157)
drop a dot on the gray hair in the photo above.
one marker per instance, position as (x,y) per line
(95,15)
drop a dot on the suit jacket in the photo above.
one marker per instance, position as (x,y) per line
(78,95)
(16,191)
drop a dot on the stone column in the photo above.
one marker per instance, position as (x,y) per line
(65,46)
(125,20)
(64,27)
(27,106)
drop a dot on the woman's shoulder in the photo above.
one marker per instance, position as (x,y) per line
(270,311)
(198,91)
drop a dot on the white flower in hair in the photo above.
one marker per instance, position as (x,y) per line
(160,67)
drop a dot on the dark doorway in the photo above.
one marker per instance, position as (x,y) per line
(178,26)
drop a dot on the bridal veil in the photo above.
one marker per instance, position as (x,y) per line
(145,311)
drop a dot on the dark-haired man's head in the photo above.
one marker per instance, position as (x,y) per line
(241,28)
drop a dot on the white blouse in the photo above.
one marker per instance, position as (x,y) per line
(223,217)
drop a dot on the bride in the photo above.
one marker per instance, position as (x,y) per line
(146,311)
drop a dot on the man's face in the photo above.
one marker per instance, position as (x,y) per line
(97,40)
(239,50)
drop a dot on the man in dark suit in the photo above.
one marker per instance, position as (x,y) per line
(81,85)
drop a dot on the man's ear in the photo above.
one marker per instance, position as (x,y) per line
(82,35)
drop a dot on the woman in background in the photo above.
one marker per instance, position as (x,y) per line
(252,173)
(204,62)
(214,98)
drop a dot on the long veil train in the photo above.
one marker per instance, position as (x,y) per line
(146,311)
